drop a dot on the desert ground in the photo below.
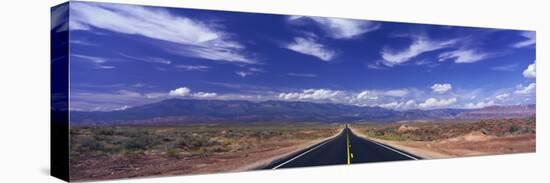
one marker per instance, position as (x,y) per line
(107,152)
(432,140)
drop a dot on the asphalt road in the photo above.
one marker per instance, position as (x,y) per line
(345,148)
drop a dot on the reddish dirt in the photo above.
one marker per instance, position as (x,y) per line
(151,164)
(471,144)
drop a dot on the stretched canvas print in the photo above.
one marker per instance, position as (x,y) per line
(154,91)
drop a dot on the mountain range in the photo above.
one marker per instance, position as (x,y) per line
(181,111)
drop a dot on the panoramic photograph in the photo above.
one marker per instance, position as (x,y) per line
(156,91)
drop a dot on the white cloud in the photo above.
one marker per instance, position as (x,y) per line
(441,88)
(148,59)
(155,95)
(309,46)
(198,39)
(205,94)
(180,92)
(529,89)
(311,94)
(530,71)
(243,73)
(376,66)
(435,103)
(193,67)
(106,67)
(98,62)
(254,69)
(249,71)
(410,104)
(502,96)
(158,60)
(128,93)
(183,92)
(230,54)
(396,93)
(367,95)
(479,105)
(376,94)
(531,40)
(463,56)
(74,41)
(339,28)
(386,98)
(121,108)
(509,67)
(420,45)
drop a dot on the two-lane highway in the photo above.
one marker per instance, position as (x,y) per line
(345,148)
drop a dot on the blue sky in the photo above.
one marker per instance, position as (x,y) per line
(127,55)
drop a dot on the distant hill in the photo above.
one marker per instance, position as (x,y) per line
(512,111)
(180,111)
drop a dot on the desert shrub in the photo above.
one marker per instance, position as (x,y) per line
(193,142)
(136,133)
(394,137)
(217,149)
(105,131)
(513,129)
(172,152)
(142,142)
(90,144)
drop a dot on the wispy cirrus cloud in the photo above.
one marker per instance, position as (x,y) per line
(339,28)
(310,46)
(193,67)
(249,71)
(157,60)
(508,67)
(463,56)
(205,94)
(82,42)
(195,38)
(420,45)
(530,40)
(97,62)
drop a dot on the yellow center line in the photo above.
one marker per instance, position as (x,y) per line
(347,143)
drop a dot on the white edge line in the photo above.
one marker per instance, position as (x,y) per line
(394,150)
(295,157)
